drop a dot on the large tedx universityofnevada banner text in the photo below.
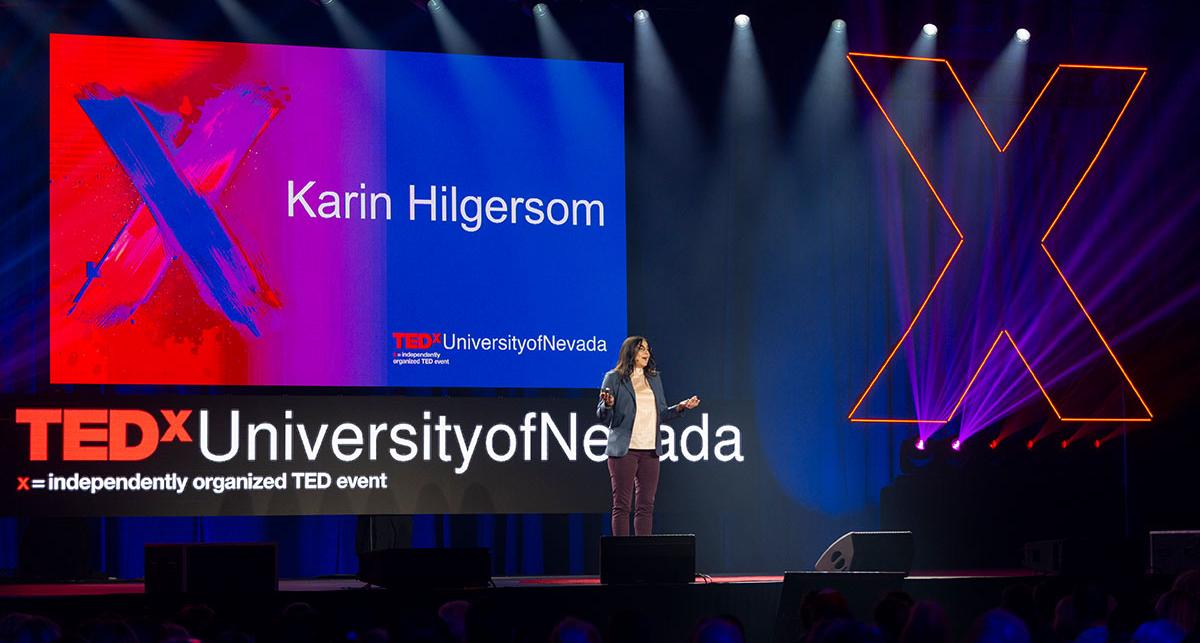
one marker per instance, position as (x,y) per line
(288,455)
(269,215)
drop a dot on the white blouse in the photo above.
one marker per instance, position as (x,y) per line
(644,431)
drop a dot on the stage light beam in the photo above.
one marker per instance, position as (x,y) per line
(555,43)
(454,37)
(352,30)
(147,23)
(249,26)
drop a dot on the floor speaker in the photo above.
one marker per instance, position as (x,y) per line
(869,551)
(631,560)
(211,568)
(440,568)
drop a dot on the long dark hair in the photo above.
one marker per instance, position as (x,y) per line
(629,350)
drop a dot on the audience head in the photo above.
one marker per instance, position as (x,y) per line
(926,624)
(891,614)
(998,626)
(1091,605)
(573,630)
(111,630)
(300,622)
(823,605)
(488,622)
(1018,600)
(1158,631)
(719,629)
(1046,596)
(199,619)
(1065,625)
(172,633)
(843,630)
(1180,608)
(27,628)
(454,615)
(376,635)
(1189,582)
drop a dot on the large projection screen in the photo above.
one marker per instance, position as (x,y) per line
(238,214)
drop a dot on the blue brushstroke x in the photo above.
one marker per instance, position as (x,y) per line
(187,220)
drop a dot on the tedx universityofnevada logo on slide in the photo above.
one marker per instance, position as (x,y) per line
(419,348)
(414,349)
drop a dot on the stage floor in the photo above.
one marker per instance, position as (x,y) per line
(342,583)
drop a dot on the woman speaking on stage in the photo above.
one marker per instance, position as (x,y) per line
(632,404)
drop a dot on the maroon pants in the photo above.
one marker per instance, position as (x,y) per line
(637,472)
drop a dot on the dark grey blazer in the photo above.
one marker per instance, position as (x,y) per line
(619,418)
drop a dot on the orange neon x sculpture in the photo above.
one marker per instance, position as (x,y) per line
(1003,333)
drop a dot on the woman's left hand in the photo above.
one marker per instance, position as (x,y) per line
(690,403)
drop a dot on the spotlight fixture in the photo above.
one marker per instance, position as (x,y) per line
(1096,444)
(920,444)
(1023,35)
(434,5)
(993,444)
(742,21)
(1029,445)
(1064,444)
(540,9)
(321,3)
(641,15)
(956,445)
(839,25)
(930,29)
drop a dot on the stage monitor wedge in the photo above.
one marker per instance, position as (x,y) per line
(640,560)
(868,551)
(211,568)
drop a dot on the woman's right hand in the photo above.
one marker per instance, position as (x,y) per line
(606,396)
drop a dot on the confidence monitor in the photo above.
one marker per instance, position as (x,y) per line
(1173,552)
(211,568)
(633,560)
(873,551)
